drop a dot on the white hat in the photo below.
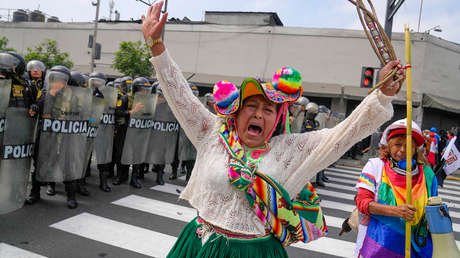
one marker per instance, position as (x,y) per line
(402,124)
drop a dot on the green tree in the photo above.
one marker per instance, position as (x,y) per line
(49,53)
(132,58)
(3,45)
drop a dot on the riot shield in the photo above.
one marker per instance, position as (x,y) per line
(63,135)
(97,108)
(135,148)
(103,143)
(5,89)
(17,152)
(164,136)
(186,149)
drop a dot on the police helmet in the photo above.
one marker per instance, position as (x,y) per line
(12,63)
(36,65)
(159,91)
(194,88)
(155,85)
(323,109)
(141,83)
(312,107)
(126,84)
(209,98)
(96,80)
(302,101)
(77,79)
(117,83)
(109,84)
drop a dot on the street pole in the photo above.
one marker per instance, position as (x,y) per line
(163,32)
(93,48)
(392,8)
(420,15)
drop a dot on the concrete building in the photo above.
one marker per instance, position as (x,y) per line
(330,60)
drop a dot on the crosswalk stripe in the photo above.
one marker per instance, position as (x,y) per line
(118,234)
(353,182)
(449,199)
(347,168)
(331,246)
(354,177)
(185,214)
(7,250)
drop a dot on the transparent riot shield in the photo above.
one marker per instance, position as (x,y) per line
(103,143)
(186,150)
(5,89)
(17,152)
(163,137)
(97,108)
(140,124)
(63,135)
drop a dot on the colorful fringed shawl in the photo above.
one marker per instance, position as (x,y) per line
(385,235)
(288,220)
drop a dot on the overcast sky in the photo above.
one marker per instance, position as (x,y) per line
(297,13)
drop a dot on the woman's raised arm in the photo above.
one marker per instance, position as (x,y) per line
(193,117)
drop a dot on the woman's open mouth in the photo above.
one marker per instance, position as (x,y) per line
(254,130)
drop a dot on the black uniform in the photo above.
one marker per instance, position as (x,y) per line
(124,104)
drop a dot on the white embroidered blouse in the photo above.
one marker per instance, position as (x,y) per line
(292,160)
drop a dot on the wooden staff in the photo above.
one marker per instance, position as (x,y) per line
(408,136)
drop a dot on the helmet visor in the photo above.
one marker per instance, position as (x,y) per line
(7,63)
(96,83)
(56,81)
(35,65)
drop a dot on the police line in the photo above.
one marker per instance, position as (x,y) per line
(162,126)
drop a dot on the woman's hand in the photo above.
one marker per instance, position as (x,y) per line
(153,26)
(390,88)
(406,211)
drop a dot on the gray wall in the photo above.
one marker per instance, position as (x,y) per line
(329,60)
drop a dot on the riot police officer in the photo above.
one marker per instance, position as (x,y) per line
(309,122)
(58,77)
(299,113)
(17,111)
(135,148)
(185,151)
(122,112)
(36,71)
(209,102)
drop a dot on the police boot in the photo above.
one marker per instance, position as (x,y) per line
(173,173)
(81,187)
(103,181)
(141,171)
(319,181)
(123,174)
(71,189)
(34,195)
(134,176)
(160,172)
(51,189)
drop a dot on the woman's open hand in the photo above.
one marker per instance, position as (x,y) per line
(390,88)
(153,25)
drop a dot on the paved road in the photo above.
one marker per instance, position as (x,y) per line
(145,223)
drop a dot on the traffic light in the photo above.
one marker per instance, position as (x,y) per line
(367,77)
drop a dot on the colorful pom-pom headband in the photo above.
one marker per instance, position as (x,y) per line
(286,87)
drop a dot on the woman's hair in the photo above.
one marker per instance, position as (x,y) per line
(384,151)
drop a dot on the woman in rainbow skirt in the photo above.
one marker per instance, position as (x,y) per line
(382,196)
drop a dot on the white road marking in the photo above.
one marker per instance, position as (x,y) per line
(118,234)
(7,251)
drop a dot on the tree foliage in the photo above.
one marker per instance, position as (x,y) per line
(4,44)
(132,58)
(49,53)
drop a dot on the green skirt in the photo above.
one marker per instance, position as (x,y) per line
(189,245)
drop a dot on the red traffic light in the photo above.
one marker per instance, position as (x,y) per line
(367,77)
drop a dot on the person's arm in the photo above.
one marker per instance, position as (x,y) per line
(193,117)
(314,151)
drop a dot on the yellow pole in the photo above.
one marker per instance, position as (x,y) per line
(408,137)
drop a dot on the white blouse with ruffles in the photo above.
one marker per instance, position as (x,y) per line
(292,160)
